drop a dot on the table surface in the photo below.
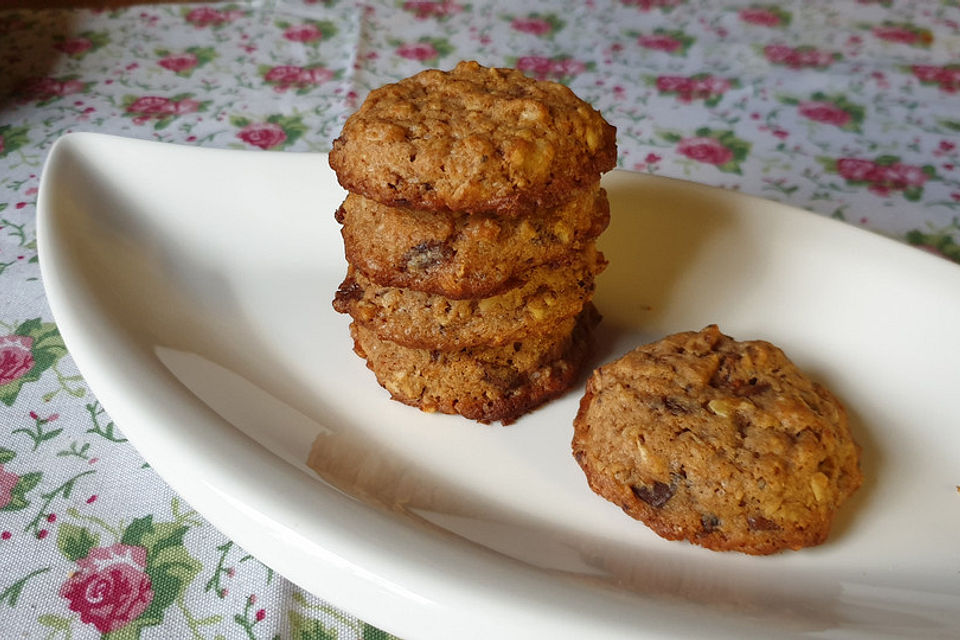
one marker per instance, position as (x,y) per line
(848,109)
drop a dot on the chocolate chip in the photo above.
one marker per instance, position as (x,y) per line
(759,523)
(742,422)
(655,496)
(340,214)
(749,389)
(426,255)
(675,406)
(709,522)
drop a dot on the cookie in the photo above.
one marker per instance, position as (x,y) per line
(487,384)
(722,443)
(416,319)
(459,255)
(473,139)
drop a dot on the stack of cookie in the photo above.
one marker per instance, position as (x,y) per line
(474,202)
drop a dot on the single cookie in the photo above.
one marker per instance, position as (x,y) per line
(460,255)
(484,384)
(421,320)
(473,139)
(722,443)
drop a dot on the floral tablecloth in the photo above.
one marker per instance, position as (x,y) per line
(849,109)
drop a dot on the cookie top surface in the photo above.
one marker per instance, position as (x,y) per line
(726,444)
(472,139)
(460,255)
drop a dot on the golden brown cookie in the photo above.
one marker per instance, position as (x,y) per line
(459,255)
(723,443)
(482,383)
(473,139)
(421,320)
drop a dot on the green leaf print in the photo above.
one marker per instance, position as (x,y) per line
(136,530)
(60,623)
(18,494)
(292,126)
(441,45)
(913,194)
(305,628)
(671,136)
(373,633)
(938,240)
(75,541)
(829,164)
(12,138)
(171,570)
(11,594)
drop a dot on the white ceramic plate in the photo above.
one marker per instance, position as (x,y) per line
(193,289)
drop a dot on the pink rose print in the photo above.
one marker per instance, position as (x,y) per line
(822,111)
(896,176)
(855,169)
(186,105)
(777,53)
(710,85)
(110,587)
(303,33)
(895,34)
(707,87)
(265,135)
(317,75)
(208,17)
(542,68)
(425,9)
(798,58)
(536,66)
(674,84)
(647,5)
(46,89)
(567,67)
(707,150)
(2,144)
(927,73)
(660,42)
(74,46)
(149,105)
(16,359)
(283,75)
(535,26)
(903,34)
(287,76)
(178,62)
(947,77)
(8,481)
(159,108)
(760,16)
(417,51)
(885,175)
